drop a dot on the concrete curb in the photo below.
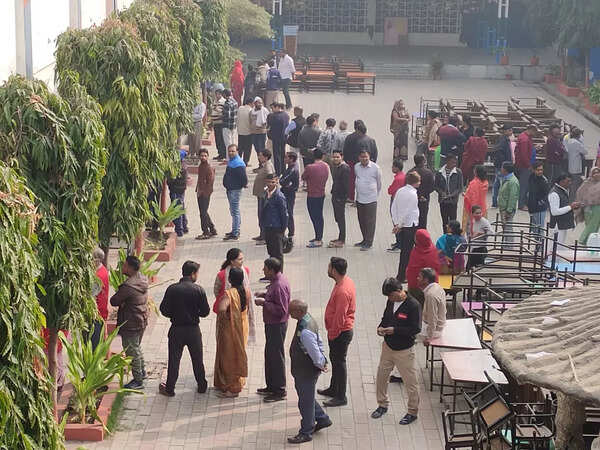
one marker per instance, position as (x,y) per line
(571,102)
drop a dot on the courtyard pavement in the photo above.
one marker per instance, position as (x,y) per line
(197,421)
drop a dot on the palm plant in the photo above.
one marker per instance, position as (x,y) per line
(116,277)
(90,371)
(174,211)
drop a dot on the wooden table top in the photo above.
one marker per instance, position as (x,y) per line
(582,256)
(320,72)
(360,75)
(458,334)
(468,366)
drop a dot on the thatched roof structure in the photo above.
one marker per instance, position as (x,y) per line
(568,334)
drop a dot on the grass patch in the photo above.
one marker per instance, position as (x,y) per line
(115,412)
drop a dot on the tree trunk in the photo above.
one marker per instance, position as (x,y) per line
(163,198)
(52,368)
(570,418)
(105,249)
(139,244)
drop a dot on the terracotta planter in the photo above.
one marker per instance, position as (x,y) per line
(591,107)
(166,254)
(508,76)
(550,79)
(504,60)
(569,91)
(86,432)
(534,61)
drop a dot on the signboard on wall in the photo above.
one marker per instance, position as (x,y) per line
(290,30)
(290,39)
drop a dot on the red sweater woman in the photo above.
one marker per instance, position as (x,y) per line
(474,154)
(424,254)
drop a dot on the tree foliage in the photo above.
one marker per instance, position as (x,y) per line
(578,23)
(215,41)
(189,17)
(247,21)
(59,150)
(26,417)
(160,30)
(124,74)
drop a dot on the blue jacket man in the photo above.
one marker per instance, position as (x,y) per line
(274,218)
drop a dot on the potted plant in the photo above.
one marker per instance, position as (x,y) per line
(436,65)
(158,241)
(552,74)
(93,389)
(593,98)
(535,59)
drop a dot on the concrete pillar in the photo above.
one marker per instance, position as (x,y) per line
(23,38)
(371,12)
(75,13)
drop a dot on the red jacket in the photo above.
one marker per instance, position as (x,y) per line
(399,181)
(474,154)
(523,151)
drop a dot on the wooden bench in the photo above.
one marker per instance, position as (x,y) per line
(360,81)
(319,80)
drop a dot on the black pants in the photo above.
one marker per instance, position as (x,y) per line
(407,242)
(274,241)
(96,333)
(423,213)
(448,213)
(275,357)
(477,259)
(338,349)
(278,154)
(285,87)
(205,221)
(290,200)
(179,337)
(260,207)
(245,147)
(219,141)
(367,220)
(339,213)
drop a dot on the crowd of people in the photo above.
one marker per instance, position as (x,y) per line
(296,154)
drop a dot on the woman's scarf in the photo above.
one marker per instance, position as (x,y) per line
(396,124)
(424,254)
(236,162)
(476,194)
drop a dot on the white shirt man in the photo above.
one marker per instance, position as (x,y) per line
(368,187)
(286,67)
(405,216)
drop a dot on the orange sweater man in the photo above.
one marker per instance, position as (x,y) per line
(339,322)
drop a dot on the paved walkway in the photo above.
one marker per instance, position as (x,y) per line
(193,421)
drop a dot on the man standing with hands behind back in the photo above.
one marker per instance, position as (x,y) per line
(339,321)
(184,303)
(400,324)
(275,302)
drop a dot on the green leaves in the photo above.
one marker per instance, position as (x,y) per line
(247,21)
(89,370)
(26,417)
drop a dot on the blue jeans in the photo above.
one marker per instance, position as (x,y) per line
(496,189)
(310,410)
(538,219)
(233,197)
(315,211)
(181,223)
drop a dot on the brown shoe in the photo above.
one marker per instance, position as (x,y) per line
(335,244)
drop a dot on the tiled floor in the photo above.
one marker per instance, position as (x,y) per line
(191,420)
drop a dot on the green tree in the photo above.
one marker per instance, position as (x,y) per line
(26,416)
(215,41)
(123,73)
(58,148)
(160,30)
(189,16)
(578,27)
(247,21)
